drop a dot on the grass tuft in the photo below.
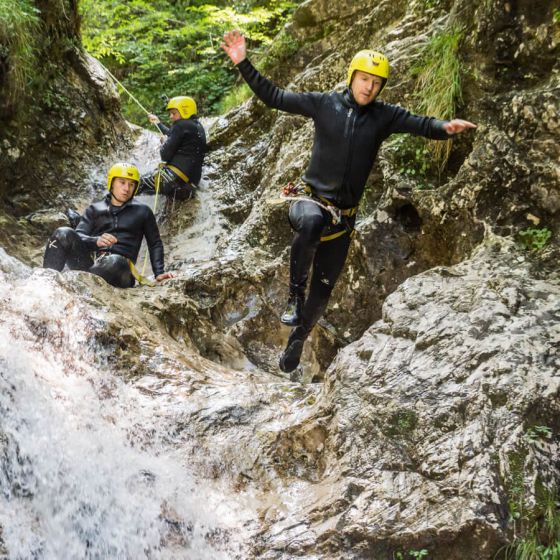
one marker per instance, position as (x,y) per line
(19,23)
(438,88)
(234,97)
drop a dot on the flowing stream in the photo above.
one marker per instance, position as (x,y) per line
(88,466)
(88,469)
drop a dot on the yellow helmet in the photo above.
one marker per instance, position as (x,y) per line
(185,105)
(372,62)
(123,171)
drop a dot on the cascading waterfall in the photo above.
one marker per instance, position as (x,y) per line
(87,467)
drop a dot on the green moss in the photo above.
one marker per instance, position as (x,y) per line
(280,50)
(401,423)
(515,485)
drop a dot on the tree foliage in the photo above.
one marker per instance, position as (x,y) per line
(161,48)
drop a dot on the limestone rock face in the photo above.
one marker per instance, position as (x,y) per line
(423,421)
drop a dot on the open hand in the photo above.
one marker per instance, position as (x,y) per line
(106,240)
(234,46)
(457,125)
(164,276)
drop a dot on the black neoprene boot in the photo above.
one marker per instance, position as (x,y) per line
(289,360)
(292,313)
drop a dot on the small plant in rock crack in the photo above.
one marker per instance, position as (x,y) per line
(417,554)
(534,239)
(536,433)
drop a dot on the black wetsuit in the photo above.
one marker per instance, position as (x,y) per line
(347,138)
(129,223)
(183,150)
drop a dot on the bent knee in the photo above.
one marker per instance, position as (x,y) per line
(309,226)
(65,236)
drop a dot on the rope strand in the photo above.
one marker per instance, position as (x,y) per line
(118,82)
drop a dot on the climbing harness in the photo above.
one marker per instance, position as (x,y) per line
(292,192)
(178,172)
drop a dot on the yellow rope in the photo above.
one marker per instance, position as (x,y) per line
(142,280)
(130,94)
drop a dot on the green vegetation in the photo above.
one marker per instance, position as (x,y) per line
(538,432)
(19,23)
(413,159)
(161,48)
(234,97)
(556,16)
(537,534)
(534,239)
(416,554)
(438,88)
(401,423)
(536,524)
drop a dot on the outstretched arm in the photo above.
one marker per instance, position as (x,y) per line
(305,104)
(402,120)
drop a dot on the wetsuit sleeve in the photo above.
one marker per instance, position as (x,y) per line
(172,144)
(164,129)
(404,121)
(86,227)
(155,244)
(306,104)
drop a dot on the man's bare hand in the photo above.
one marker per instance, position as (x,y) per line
(164,276)
(154,119)
(106,240)
(235,46)
(457,125)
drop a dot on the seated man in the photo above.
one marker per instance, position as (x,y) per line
(107,239)
(182,152)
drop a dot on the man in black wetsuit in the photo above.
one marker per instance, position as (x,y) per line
(349,129)
(182,152)
(108,237)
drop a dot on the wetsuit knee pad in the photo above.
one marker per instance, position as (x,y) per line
(307,219)
(115,270)
(66,237)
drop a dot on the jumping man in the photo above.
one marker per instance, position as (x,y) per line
(349,129)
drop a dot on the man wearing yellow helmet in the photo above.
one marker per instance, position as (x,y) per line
(112,231)
(349,129)
(182,151)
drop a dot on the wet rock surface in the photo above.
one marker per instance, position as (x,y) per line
(423,418)
(439,350)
